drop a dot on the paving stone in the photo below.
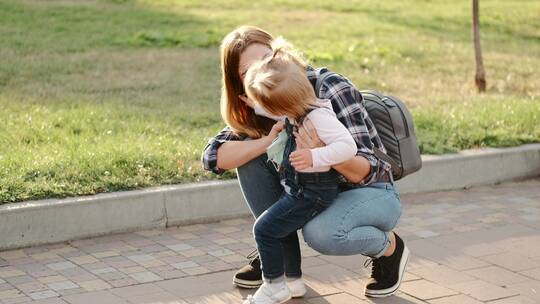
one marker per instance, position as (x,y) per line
(497,275)
(8,272)
(20,280)
(341,298)
(196,270)
(62,285)
(184,265)
(103,270)
(457,299)
(43,295)
(123,282)
(135,269)
(67,292)
(50,301)
(61,266)
(198,286)
(52,279)
(32,287)
(214,298)
(515,300)
(141,258)
(140,289)
(13,254)
(145,277)
(529,289)
(330,273)
(84,259)
(426,233)
(532,273)
(106,254)
(353,262)
(180,247)
(512,261)
(101,297)
(483,291)
(425,290)
(353,287)
(109,276)
(22,299)
(220,252)
(152,298)
(94,285)
(441,275)
(10,294)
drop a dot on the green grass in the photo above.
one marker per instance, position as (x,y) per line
(101,96)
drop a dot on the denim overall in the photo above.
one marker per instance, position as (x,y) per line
(305,196)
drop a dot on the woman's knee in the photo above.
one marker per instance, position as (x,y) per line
(322,239)
(254,167)
(393,210)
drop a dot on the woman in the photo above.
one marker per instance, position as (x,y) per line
(361,219)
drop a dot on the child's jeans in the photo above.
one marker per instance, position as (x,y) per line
(275,229)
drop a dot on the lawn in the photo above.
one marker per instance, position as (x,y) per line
(101,96)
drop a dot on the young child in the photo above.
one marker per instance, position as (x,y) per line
(279,87)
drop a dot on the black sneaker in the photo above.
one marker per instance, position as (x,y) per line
(249,276)
(387,272)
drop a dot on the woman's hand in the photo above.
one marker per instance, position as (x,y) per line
(247,101)
(276,128)
(307,137)
(301,159)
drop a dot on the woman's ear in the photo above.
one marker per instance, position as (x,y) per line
(246,100)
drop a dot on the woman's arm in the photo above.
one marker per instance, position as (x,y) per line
(355,169)
(233,154)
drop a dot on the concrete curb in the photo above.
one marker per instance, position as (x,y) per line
(48,221)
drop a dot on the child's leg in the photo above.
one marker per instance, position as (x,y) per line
(273,234)
(291,255)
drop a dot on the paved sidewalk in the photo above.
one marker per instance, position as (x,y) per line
(474,246)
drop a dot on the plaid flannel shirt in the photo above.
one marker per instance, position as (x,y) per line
(349,107)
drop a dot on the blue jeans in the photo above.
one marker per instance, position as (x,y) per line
(359,221)
(275,229)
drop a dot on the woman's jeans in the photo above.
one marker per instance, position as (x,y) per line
(357,222)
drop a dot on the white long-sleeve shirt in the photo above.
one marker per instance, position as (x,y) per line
(340,145)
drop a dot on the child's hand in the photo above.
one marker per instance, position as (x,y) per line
(301,159)
(276,128)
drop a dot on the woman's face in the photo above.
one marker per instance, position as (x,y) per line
(251,54)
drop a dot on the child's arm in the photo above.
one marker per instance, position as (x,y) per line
(340,146)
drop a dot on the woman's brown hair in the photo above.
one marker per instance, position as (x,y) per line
(238,116)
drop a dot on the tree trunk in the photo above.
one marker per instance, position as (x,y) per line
(480,76)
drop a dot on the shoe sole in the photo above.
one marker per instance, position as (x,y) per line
(247,284)
(253,284)
(383,293)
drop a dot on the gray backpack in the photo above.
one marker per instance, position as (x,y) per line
(395,127)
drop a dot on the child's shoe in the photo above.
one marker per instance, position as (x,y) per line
(270,293)
(297,287)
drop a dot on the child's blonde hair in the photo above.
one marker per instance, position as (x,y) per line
(279,82)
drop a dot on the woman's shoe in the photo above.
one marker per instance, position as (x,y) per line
(387,272)
(249,276)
